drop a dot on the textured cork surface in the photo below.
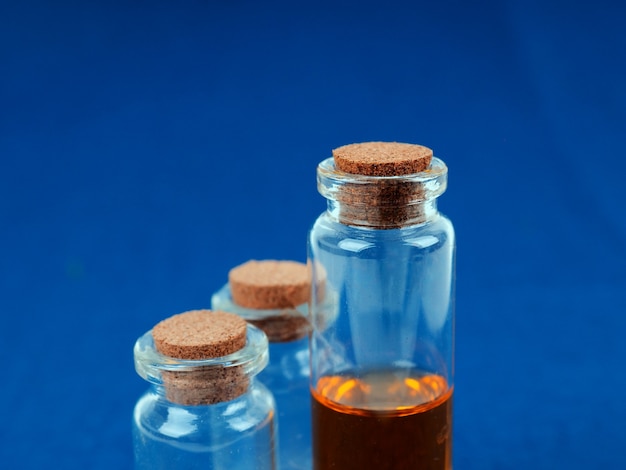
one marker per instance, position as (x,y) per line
(200,334)
(290,325)
(382,158)
(277,286)
(270,284)
(383,202)
(205,387)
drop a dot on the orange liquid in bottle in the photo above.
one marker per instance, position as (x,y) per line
(383,420)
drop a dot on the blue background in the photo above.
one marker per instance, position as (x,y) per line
(146,148)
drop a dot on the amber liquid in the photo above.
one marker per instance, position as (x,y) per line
(382,420)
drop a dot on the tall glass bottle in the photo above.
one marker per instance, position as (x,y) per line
(208,414)
(382,373)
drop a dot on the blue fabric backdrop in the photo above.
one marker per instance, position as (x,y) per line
(148,147)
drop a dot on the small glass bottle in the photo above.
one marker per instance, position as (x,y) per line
(382,368)
(209,414)
(273,295)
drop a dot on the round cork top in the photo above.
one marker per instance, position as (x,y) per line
(200,334)
(382,158)
(270,284)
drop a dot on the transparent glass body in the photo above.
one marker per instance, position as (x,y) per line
(287,375)
(236,434)
(382,370)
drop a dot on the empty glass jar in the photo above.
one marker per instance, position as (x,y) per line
(188,419)
(287,374)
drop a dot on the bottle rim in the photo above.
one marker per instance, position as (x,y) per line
(433,180)
(150,364)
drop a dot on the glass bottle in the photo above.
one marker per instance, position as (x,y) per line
(169,432)
(287,374)
(382,367)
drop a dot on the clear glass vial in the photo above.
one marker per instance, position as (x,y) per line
(287,374)
(382,372)
(191,427)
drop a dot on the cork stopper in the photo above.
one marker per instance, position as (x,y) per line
(386,191)
(270,284)
(278,287)
(382,158)
(198,335)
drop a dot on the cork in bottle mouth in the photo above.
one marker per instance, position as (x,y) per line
(272,295)
(270,284)
(382,185)
(201,357)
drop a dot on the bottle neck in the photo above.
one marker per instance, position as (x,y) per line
(202,381)
(280,325)
(194,388)
(382,217)
(382,202)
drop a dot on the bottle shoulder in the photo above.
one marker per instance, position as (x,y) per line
(327,231)
(156,415)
